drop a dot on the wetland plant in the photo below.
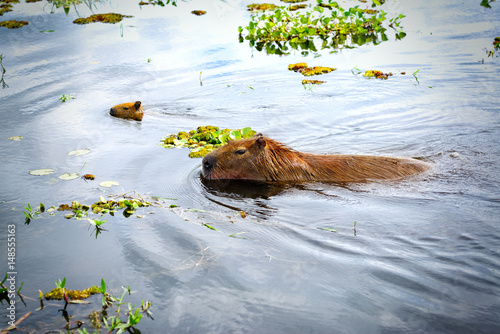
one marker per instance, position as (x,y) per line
(280,31)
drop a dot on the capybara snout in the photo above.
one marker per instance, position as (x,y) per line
(129,110)
(262,159)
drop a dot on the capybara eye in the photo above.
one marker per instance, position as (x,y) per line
(125,108)
(242,151)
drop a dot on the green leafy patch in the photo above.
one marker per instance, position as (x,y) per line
(205,139)
(105,18)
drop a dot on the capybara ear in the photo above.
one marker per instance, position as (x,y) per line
(260,141)
(137,105)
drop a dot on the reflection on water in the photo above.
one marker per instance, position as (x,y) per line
(417,256)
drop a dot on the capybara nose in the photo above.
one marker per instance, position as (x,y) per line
(112,111)
(207,164)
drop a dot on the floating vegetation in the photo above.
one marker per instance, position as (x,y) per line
(377,74)
(104,206)
(198,12)
(282,31)
(205,139)
(105,18)
(312,82)
(310,71)
(65,98)
(88,177)
(5,7)
(108,184)
(43,171)
(16,138)
(158,2)
(13,24)
(98,318)
(57,293)
(293,1)
(80,152)
(67,176)
(254,7)
(296,7)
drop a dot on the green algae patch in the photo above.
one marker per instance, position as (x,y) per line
(13,24)
(377,74)
(205,139)
(58,294)
(310,71)
(260,7)
(105,18)
(293,1)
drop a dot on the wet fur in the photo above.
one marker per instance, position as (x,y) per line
(129,110)
(265,159)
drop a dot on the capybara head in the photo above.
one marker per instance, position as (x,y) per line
(257,158)
(130,110)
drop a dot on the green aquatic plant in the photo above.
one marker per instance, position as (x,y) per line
(254,7)
(65,98)
(159,3)
(33,213)
(105,18)
(377,74)
(281,31)
(205,139)
(13,24)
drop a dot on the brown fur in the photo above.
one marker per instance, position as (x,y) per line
(130,110)
(262,159)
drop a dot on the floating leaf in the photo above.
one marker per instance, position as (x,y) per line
(67,176)
(77,153)
(108,184)
(16,138)
(43,171)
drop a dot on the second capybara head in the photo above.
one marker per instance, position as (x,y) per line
(129,110)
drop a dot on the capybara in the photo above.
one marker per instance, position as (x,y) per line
(129,110)
(262,159)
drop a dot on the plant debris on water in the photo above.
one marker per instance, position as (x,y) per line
(310,71)
(205,139)
(13,24)
(377,74)
(105,18)
(198,12)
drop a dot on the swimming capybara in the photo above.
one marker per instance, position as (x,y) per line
(262,159)
(130,110)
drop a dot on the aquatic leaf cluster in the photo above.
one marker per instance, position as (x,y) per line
(377,74)
(104,206)
(205,139)
(105,18)
(13,24)
(310,71)
(57,293)
(281,31)
(99,318)
(6,6)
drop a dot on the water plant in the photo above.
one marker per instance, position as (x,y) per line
(13,24)
(377,74)
(281,31)
(105,18)
(310,71)
(204,139)
(65,98)
(33,213)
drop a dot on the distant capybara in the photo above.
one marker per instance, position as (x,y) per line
(130,110)
(262,159)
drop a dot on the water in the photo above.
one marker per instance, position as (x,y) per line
(417,256)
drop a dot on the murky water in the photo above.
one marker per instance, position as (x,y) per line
(417,256)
